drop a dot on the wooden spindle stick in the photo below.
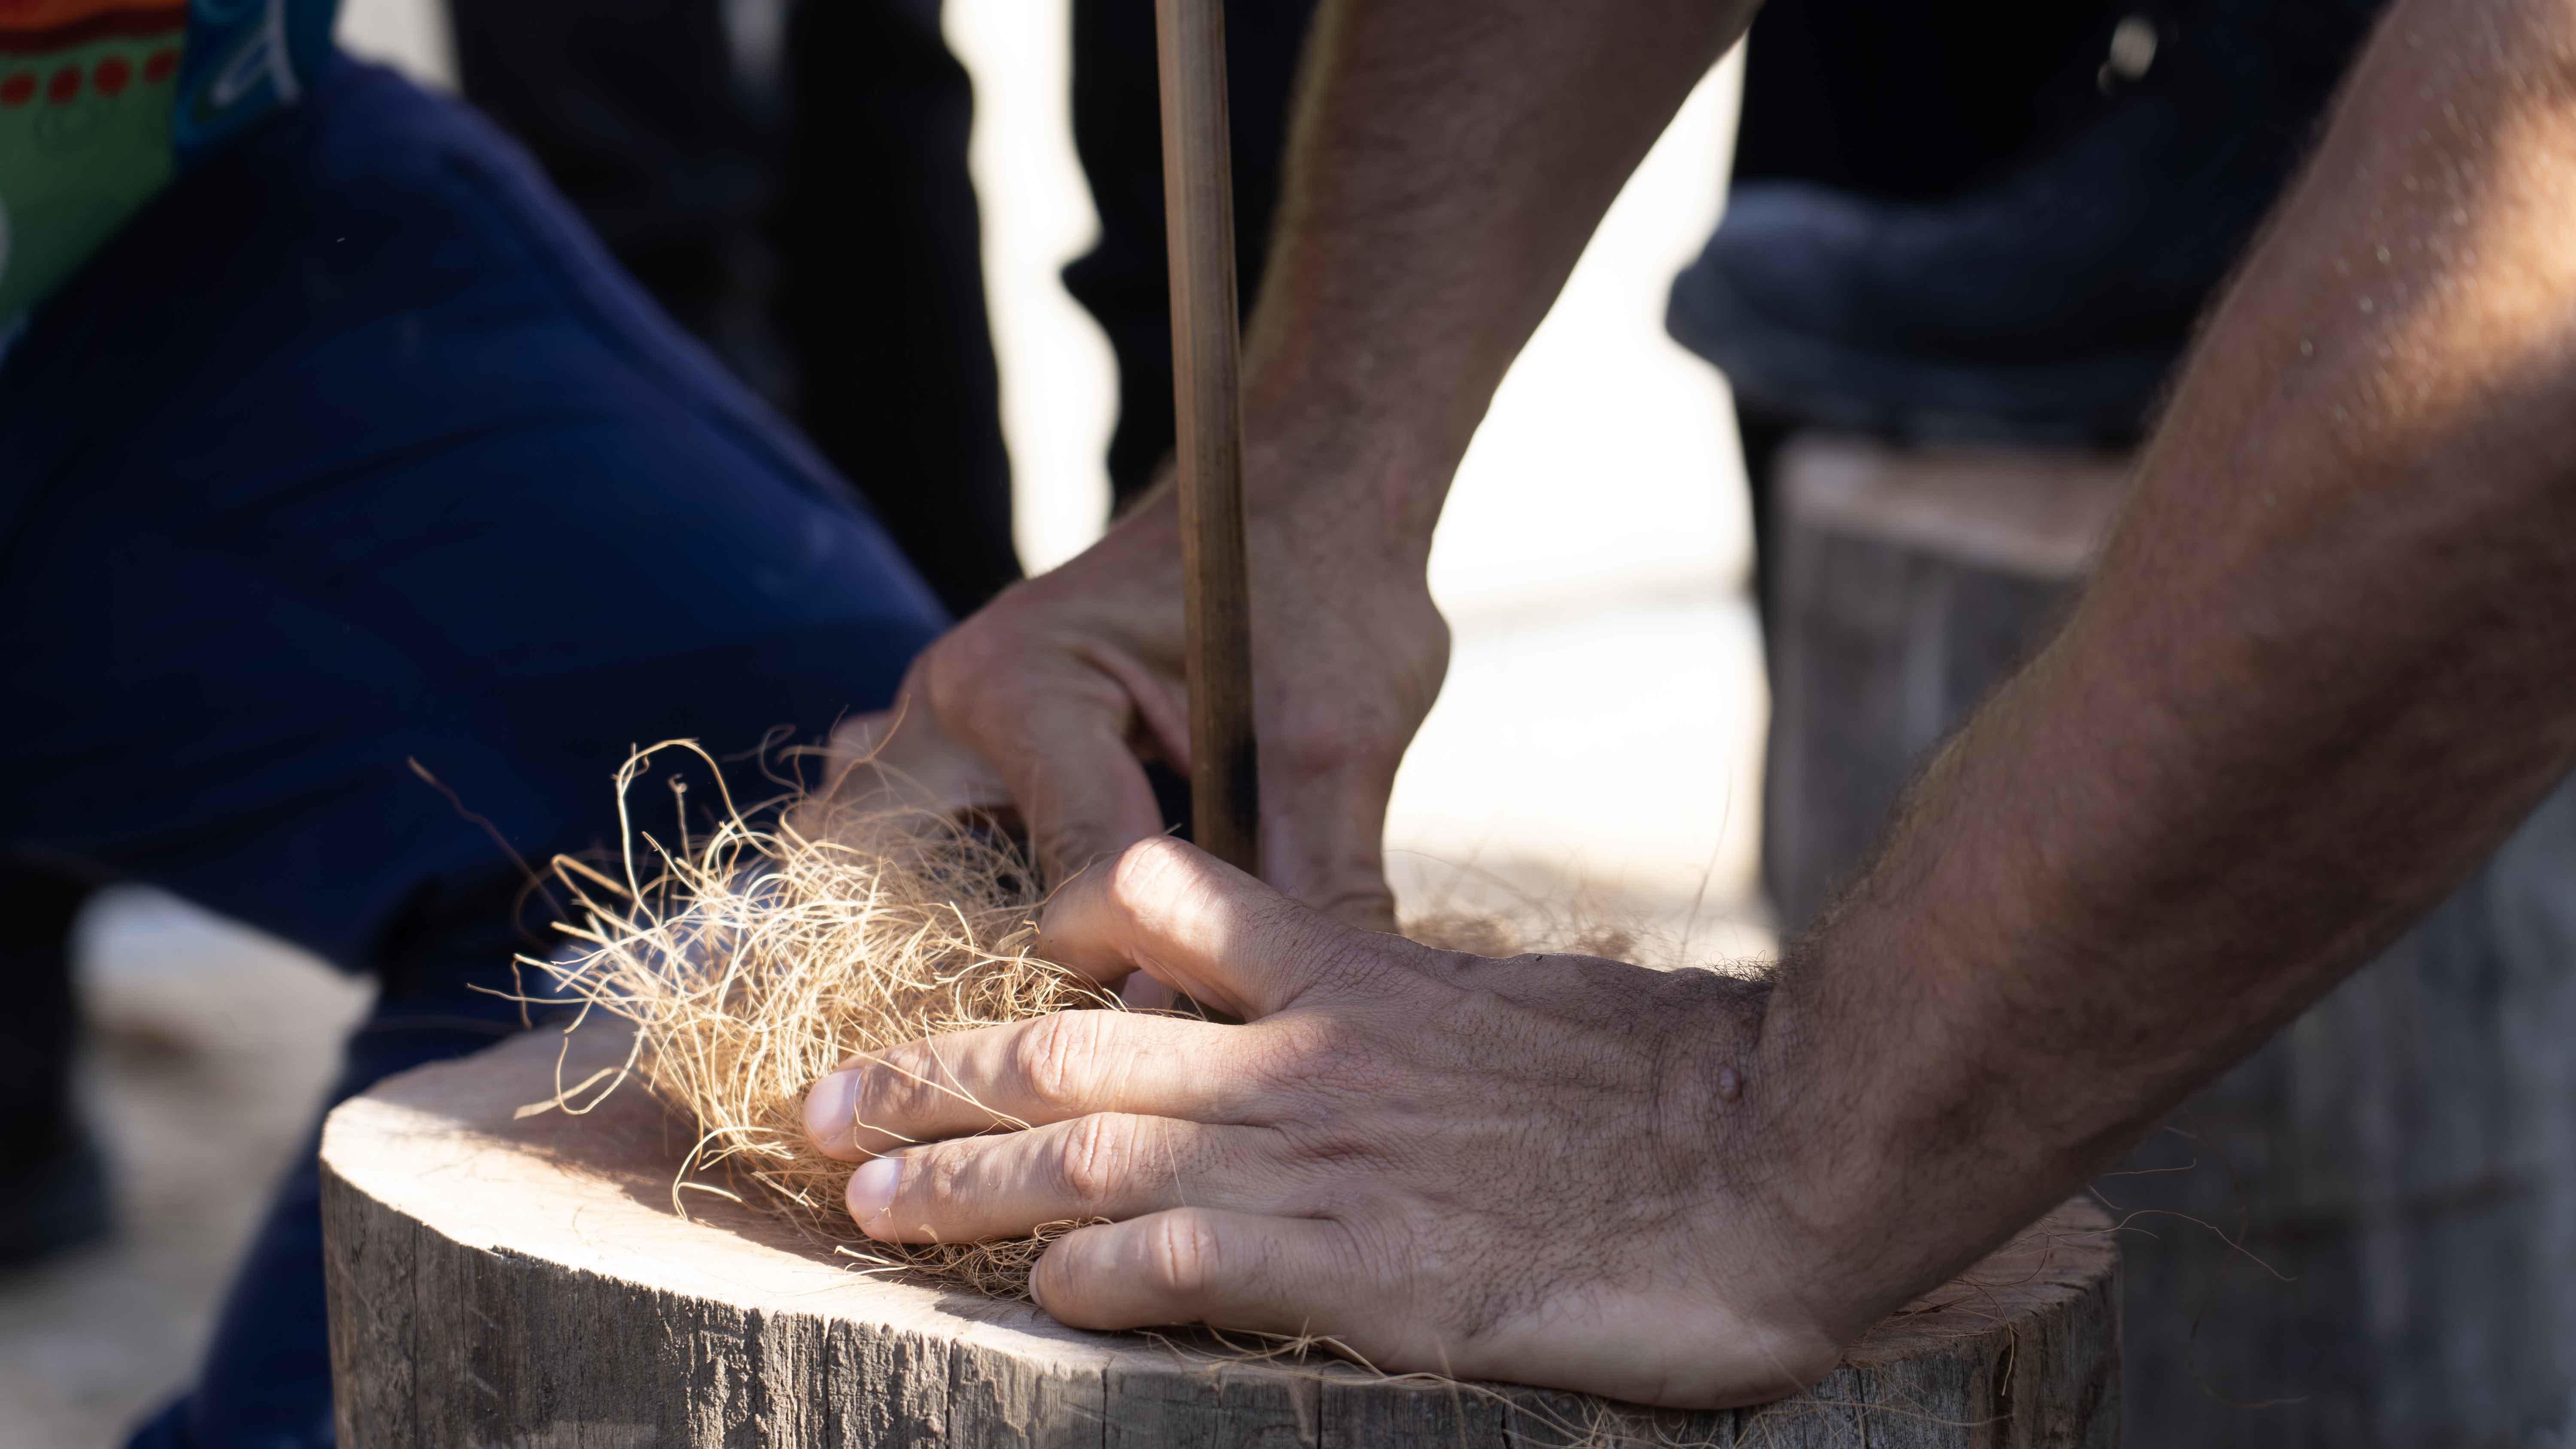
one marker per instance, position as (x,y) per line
(1198,202)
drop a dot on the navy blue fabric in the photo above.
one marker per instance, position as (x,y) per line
(354,449)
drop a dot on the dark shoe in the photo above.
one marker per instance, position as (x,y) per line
(2048,305)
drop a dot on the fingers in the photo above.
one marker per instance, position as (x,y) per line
(1046,1069)
(1323,834)
(901,759)
(1110,1165)
(1059,734)
(1198,925)
(1207,1265)
(1083,793)
(1329,756)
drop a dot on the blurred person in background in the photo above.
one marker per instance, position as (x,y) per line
(789,179)
(803,209)
(789,182)
(2002,234)
(358,513)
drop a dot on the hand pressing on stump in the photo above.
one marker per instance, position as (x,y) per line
(1531,1169)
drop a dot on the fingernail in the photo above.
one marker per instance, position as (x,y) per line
(872,1190)
(828,1106)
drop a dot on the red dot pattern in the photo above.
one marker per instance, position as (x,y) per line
(111,77)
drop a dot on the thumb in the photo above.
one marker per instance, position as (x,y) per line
(1057,742)
(1188,919)
(1081,790)
(900,759)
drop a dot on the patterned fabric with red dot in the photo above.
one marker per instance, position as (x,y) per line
(103,101)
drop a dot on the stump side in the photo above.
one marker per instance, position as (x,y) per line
(498,1280)
(1911,582)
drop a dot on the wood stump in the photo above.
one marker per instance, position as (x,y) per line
(498,1280)
(1910,583)
(2366,1234)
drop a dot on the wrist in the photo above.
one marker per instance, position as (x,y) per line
(1362,504)
(1897,1140)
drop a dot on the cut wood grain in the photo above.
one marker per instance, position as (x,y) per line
(508,1281)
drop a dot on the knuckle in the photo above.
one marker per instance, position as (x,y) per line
(1182,1253)
(1149,873)
(1321,1064)
(1094,1161)
(933,1178)
(968,661)
(1304,1050)
(949,667)
(1056,1056)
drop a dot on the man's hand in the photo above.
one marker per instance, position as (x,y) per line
(1049,700)
(1529,1169)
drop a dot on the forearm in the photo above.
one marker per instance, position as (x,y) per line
(2321,672)
(1450,160)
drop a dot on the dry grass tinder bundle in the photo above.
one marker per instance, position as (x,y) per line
(757,958)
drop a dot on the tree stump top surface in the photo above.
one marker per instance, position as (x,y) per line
(439,1156)
(2035,512)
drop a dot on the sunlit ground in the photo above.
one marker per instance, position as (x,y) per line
(1593,749)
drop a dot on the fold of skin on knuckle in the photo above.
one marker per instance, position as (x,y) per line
(1158,881)
(1057,1059)
(1163,890)
(1093,1160)
(934,1180)
(1182,1257)
(1160,1270)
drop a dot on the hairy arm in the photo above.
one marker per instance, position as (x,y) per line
(1450,160)
(2323,669)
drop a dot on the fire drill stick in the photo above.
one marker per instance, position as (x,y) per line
(1198,203)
